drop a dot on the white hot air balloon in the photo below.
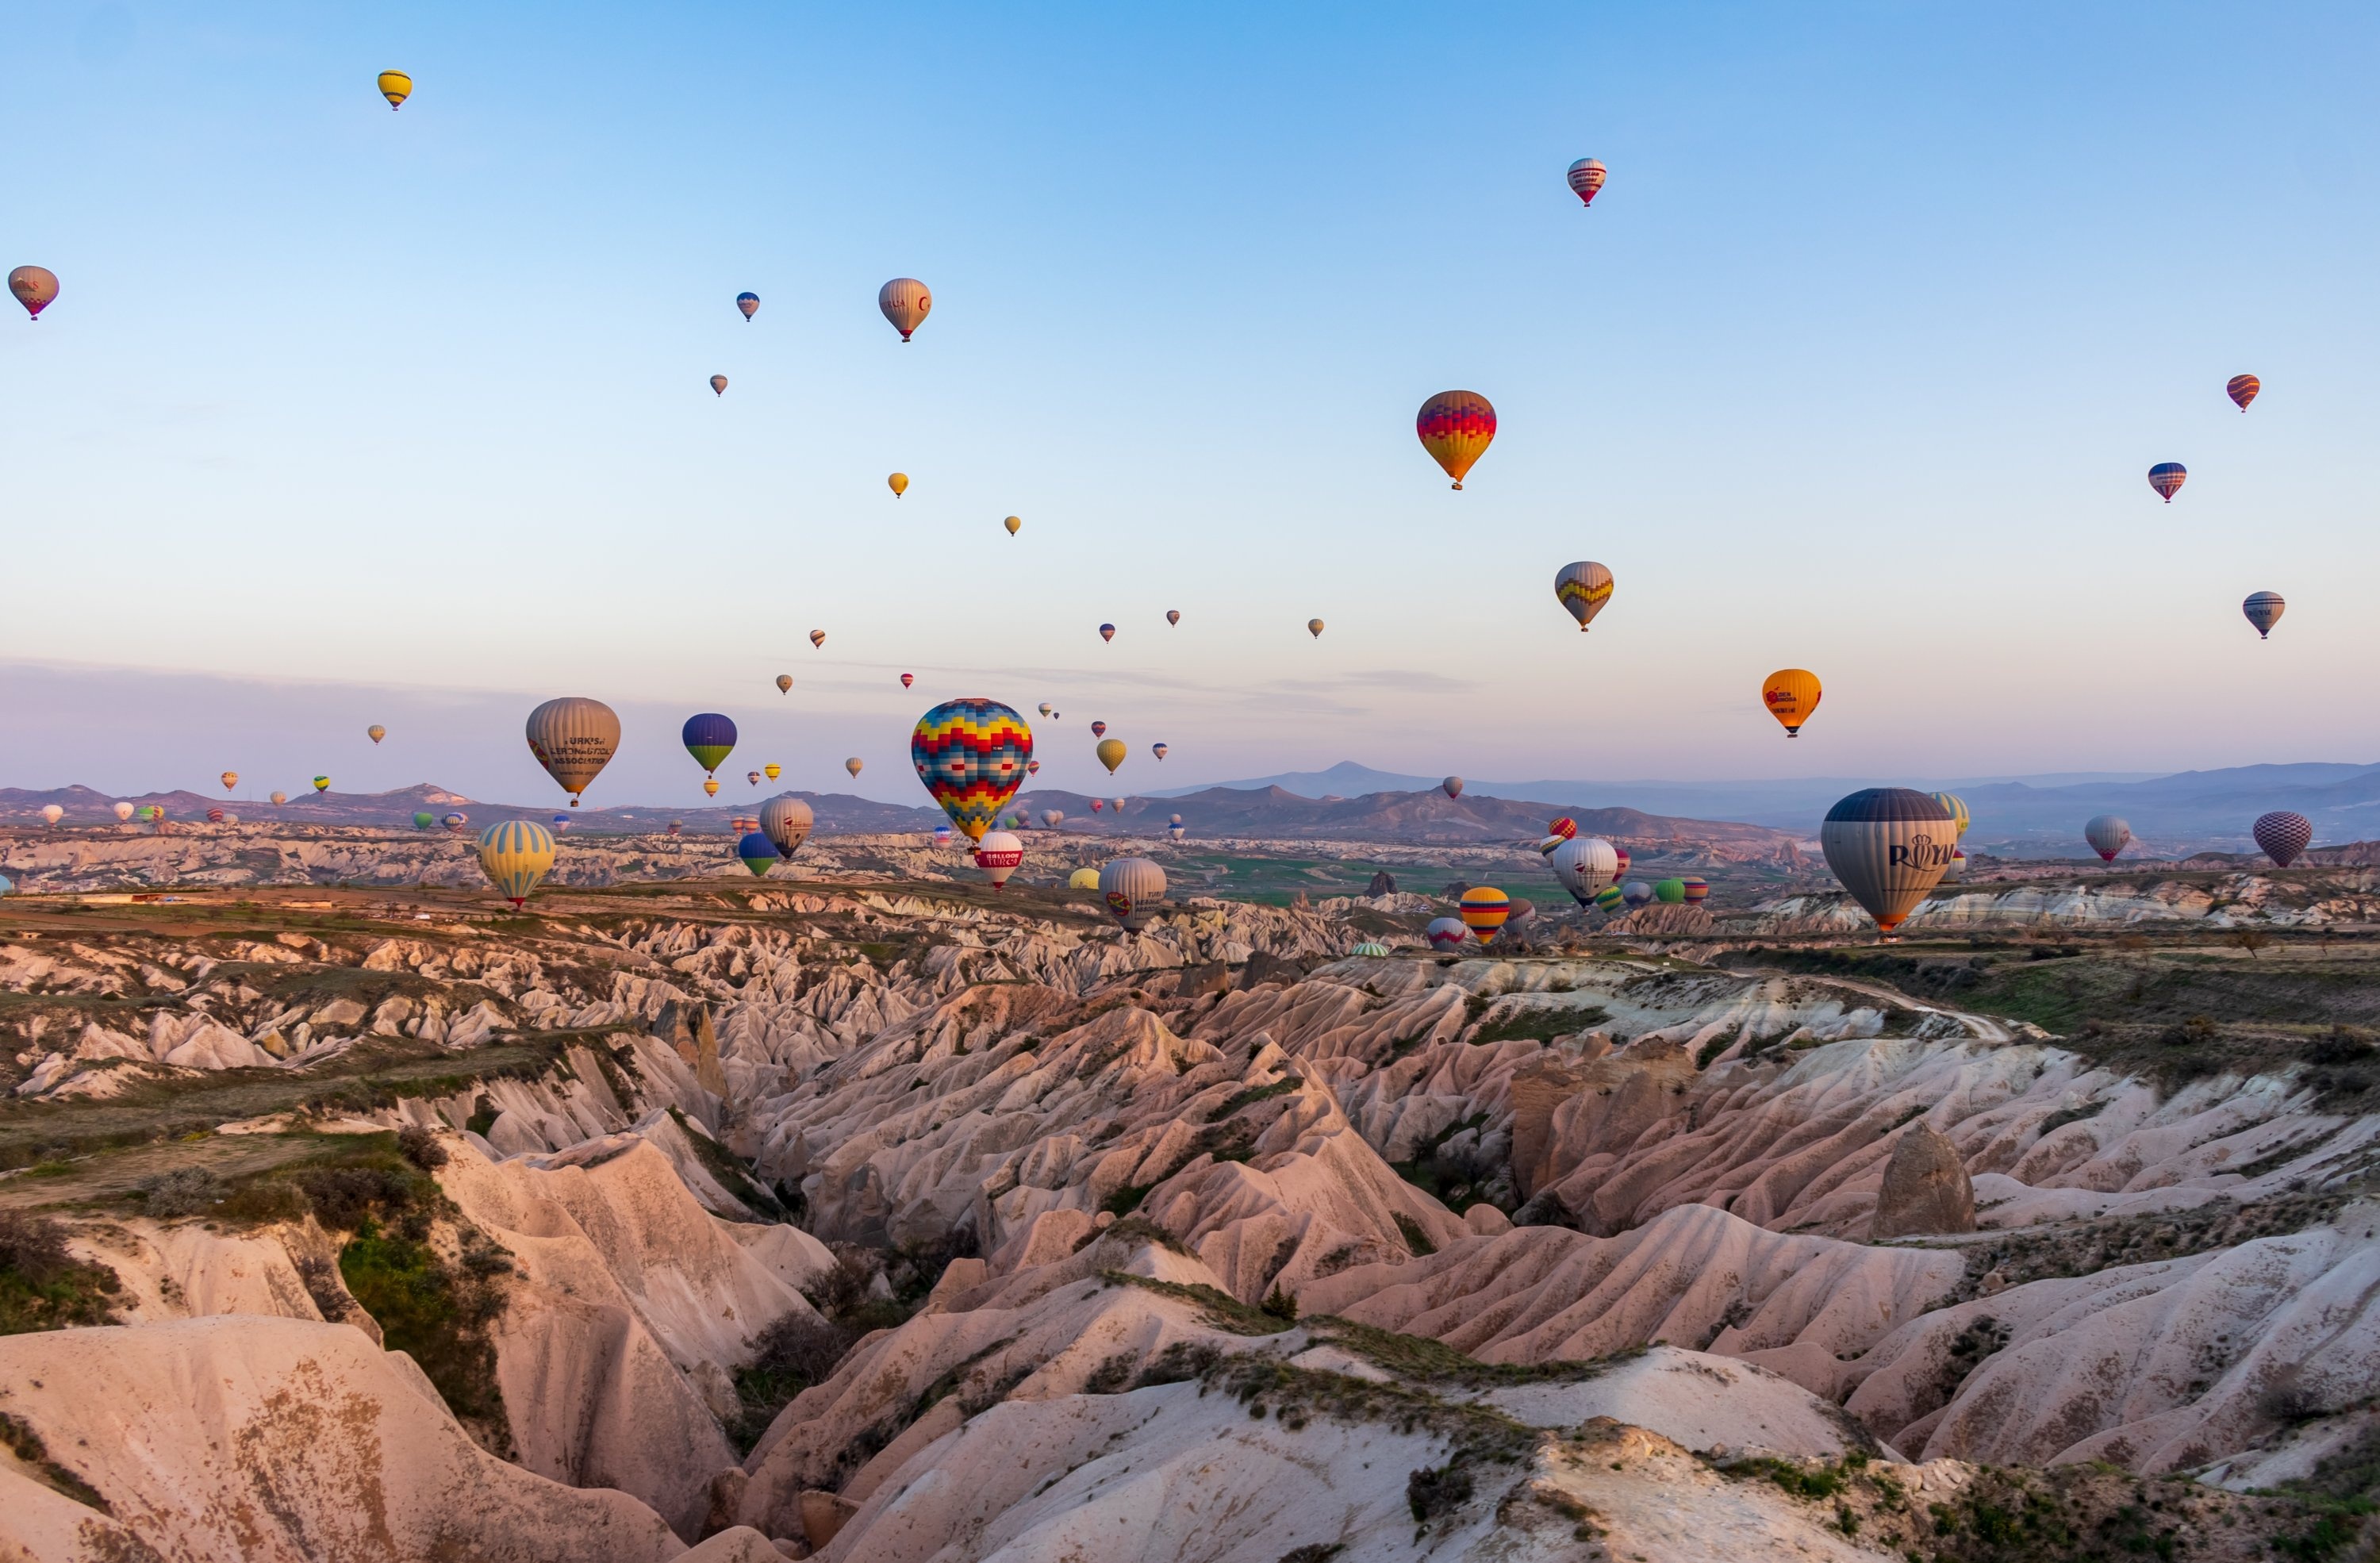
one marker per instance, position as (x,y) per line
(1584,864)
(2107,836)
(1131,887)
(998,854)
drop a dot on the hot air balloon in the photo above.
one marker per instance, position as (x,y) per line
(2243,389)
(1790,694)
(2283,835)
(375,732)
(1548,843)
(749,303)
(214,817)
(1099,730)
(942,833)
(424,819)
(2166,478)
(898,483)
(908,679)
(396,86)
(321,784)
(1314,629)
(1370,950)
(1584,864)
(971,755)
(904,302)
(229,779)
(1889,846)
(455,822)
(1012,523)
(854,765)
(2107,836)
(1098,804)
(1585,178)
(1174,615)
(758,853)
(719,385)
(818,638)
(561,823)
(514,854)
(740,825)
(574,738)
(1158,749)
(675,826)
(1670,892)
(1455,428)
(280,798)
(1131,887)
(1610,899)
(1583,587)
(1958,868)
(1620,852)
(1111,752)
(34,286)
(1053,817)
(709,737)
(2263,610)
(787,822)
(1485,908)
(1957,807)
(1107,632)
(1177,829)
(773,770)
(1173,819)
(784,683)
(1116,804)
(998,854)
(1562,826)
(1635,893)
(52,813)
(1032,767)
(1447,933)
(1697,888)
(710,786)
(1451,786)
(753,777)
(1083,879)
(1045,708)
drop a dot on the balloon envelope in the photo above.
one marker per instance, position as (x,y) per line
(1697,888)
(758,853)
(375,732)
(514,854)
(1790,694)
(1111,753)
(1562,826)
(1584,864)
(1131,887)
(971,755)
(1447,933)
(818,638)
(1083,879)
(2283,835)
(904,302)
(1636,892)
(2107,836)
(2243,389)
(321,784)
(854,765)
(1013,523)
(35,287)
(898,483)
(1485,908)
(998,854)
(53,813)
(1957,807)
(574,738)
(2263,610)
(1455,428)
(1452,786)
(396,86)
(1158,749)
(749,303)
(719,385)
(1609,899)
(787,822)
(280,798)
(1670,891)
(1889,846)
(229,779)
(784,683)
(1583,588)
(1107,632)
(1314,629)
(709,737)
(1099,730)
(2166,478)
(773,770)
(1585,178)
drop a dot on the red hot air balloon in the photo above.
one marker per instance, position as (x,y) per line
(1564,827)
(2243,389)
(1585,178)
(908,679)
(1455,428)
(1098,804)
(2166,478)
(1099,730)
(2283,835)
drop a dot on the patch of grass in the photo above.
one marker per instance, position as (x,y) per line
(42,1285)
(1435,1489)
(1536,1023)
(1125,1200)
(439,1315)
(1474,1433)
(1415,1238)
(720,1163)
(1254,1094)
(1434,1361)
(791,1355)
(1222,1310)
(26,1444)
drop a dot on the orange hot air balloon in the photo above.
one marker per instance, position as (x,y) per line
(784,683)
(2243,389)
(710,786)
(818,638)
(898,483)
(1790,694)
(1455,429)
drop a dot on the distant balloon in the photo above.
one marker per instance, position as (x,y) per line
(818,638)
(1053,817)
(1957,869)
(1111,753)
(1548,843)
(787,822)
(1790,694)
(758,853)
(1697,888)
(2107,836)
(971,755)
(709,737)
(1177,829)
(749,303)
(2167,477)
(396,86)
(561,823)
(1585,866)
(321,784)
(675,826)
(719,385)
(1174,615)
(1620,852)
(942,833)
(784,683)
(1484,910)
(574,738)
(1173,819)
(1455,428)
(1636,892)
(710,786)
(773,770)
(1585,178)
(908,679)
(753,777)
(904,302)
(1131,887)
(2263,610)
(854,765)
(1107,632)
(1099,805)
(1583,588)
(1014,523)
(1099,730)
(52,813)
(1610,899)
(455,821)
(1670,892)
(1562,826)
(1451,786)
(1314,629)
(1032,767)
(2243,389)
(280,798)
(1447,933)
(1957,807)
(375,732)
(1889,846)
(1158,749)
(1083,879)
(35,287)
(2283,835)
(229,779)
(514,854)
(998,854)
(1116,804)
(898,483)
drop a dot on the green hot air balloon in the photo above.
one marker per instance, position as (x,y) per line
(1670,891)
(424,819)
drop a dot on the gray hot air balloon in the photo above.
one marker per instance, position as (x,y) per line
(1453,786)
(574,738)
(1889,846)
(2107,836)
(786,821)
(1637,894)
(2283,835)
(2263,610)
(1131,887)
(1584,864)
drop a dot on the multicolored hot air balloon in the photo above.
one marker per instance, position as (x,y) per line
(1585,866)
(2243,389)
(1697,888)
(1111,752)
(971,755)
(1456,428)
(1485,908)
(773,770)
(574,738)
(1107,632)
(396,86)
(1099,730)
(1620,852)
(1562,826)
(2107,836)
(709,737)
(749,303)
(2166,478)
(321,784)
(1131,887)
(455,822)
(898,483)
(35,287)
(854,766)
(998,854)
(2283,835)
(1451,786)
(1585,178)
(1098,804)
(1790,694)
(1014,523)
(1032,767)
(514,854)
(818,638)
(2263,610)
(229,779)
(1583,588)
(1158,749)
(1957,807)
(719,385)
(375,732)
(787,822)
(1610,899)
(561,823)
(1889,846)
(214,817)
(710,786)
(758,853)
(1447,933)
(904,302)
(784,683)
(1314,629)
(752,777)
(1177,829)
(1174,615)
(908,679)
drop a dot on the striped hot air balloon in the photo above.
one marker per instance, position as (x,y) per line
(1670,892)
(1484,910)
(1697,888)
(1583,588)
(1456,428)
(971,755)
(2283,835)
(787,822)
(2243,389)
(1131,887)
(1957,806)
(749,303)
(2263,610)
(1585,178)
(2167,478)
(514,854)
(1585,866)
(2107,836)
(904,301)
(1889,846)
(1610,899)
(1447,933)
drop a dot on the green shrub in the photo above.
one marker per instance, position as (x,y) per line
(436,1313)
(42,1286)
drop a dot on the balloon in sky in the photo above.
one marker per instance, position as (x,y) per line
(787,822)
(1053,817)
(1636,892)
(455,821)
(1484,910)
(942,833)
(1014,523)
(1957,806)
(908,679)
(784,683)
(758,853)
(375,732)
(675,826)
(1045,708)
(904,302)
(2283,835)
(818,638)
(719,385)
(280,798)
(124,811)
(229,779)
(709,737)
(1116,804)
(514,854)
(34,286)
(1032,767)
(1174,615)
(1697,888)
(51,813)
(321,784)
(1548,843)
(1621,853)
(710,786)
(749,303)
(574,738)
(1177,829)
(1099,730)
(1790,694)
(1455,428)
(1098,804)
(1083,879)
(561,823)
(396,86)
(773,770)
(1447,933)
(2107,836)
(1451,786)
(753,777)
(1584,864)
(1562,826)
(998,854)
(898,483)
(1111,752)
(1609,899)
(853,765)
(2167,477)
(2243,389)
(1314,629)
(1131,887)
(1583,588)
(1107,632)
(1158,749)
(1889,846)
(1670,892)
(2263,610)
(971,756)
(1585,178)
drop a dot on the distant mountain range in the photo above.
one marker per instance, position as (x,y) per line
(838,813)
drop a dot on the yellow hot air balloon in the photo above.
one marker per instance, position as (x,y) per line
(773,770)
(1958,807)
(784,683)
(898,483)
(1083,879)
(375,732)
(904,302)
(853,765)
(396,86)
(1790,694)
(1111,752)
(516,854)
(230,778)
(1314,629)
(1013,523)
(1455,428)
(710,786)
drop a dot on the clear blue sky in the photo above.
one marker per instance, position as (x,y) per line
(1857,363)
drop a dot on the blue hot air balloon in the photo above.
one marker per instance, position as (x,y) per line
(561,823)
(709,737)
(758,853)
(749,303)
